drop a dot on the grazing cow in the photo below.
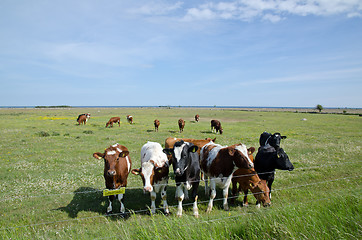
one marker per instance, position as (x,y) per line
(218,163)
(215,124)
(271,157)
(154,173)
(130,119)
(248,180)
(113,120)
(83,118)
(197,117)
(181,124)
(186,168)
(117,165)
(157,124)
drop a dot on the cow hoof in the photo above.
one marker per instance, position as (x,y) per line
(109,213)
(245,205)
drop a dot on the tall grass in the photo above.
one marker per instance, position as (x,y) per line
(50,185)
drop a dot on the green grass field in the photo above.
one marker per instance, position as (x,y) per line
(51,186)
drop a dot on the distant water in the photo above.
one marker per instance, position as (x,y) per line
(251,107)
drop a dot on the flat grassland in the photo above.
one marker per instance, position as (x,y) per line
(51,186)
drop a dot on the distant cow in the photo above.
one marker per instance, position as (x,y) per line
(186,168)
(113,120)
(218,163)
(216,125)
(270,158)
(83,118)
(117,165)
(197,117)
(157,124)
(248,180)
(130,119)
(154,173)
(181,124)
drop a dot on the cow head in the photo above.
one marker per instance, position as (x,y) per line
(273,140)
(240,156)
(181,154)
(260,191)
(150,172)
(111,157)
(282,161)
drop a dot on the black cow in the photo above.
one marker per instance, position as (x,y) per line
(186,167)
(271,156)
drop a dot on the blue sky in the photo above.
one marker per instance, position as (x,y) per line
(274,53)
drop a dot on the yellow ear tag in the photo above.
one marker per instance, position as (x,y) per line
(99,158)
(107,192)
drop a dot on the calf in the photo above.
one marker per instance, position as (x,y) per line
(130,119)
(215,124)
(248,180)
(157,124)
(218,163)
(186,168)
(154,173)
(113,120)
(270,158)
(83,118)
(181,124)
(117,165)
(197,117)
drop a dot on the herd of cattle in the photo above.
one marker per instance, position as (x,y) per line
(193,159)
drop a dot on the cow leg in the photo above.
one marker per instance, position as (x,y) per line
(212,195)
(120,198)
(234,191)
(206,180)
(195,186)
(153,202)
(270,182)
(245,202)
(225,192)
(180,197)
(109,208)
(164,199)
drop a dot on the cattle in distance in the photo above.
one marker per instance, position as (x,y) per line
(216,126)
(83,118)
(157,124)
(117,166)
(154,173)
(113,120)
(130,119)
(181,124)
(197,117)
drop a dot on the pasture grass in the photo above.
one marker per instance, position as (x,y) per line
(50,185)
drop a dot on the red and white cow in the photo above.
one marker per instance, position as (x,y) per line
(197,117)
(154,172)
(130,119)
(113,120)
(117,166)
(157,124)
(83,118)
(181,124)
(218,163)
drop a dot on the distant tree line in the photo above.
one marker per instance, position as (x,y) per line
(60,106)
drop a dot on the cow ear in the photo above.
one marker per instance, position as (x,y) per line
(167,151)
(283,137)
(232,151)
(98,155)
(136,171)
(124,154)
(193,149)
(251,150)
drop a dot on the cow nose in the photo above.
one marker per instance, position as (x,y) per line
(267,204)
(178,171)
(251,165)
(148,189)
(111,172)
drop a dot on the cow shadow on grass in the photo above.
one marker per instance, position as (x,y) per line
(87,199)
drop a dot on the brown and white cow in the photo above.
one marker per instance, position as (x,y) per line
(219,163)
(154,173)
(197,117)
(157,124)
(216,125)
(130,119)
(117,166)
(83,118)
(113,120)
(181,124)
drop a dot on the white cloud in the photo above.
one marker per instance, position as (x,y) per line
(273,10)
